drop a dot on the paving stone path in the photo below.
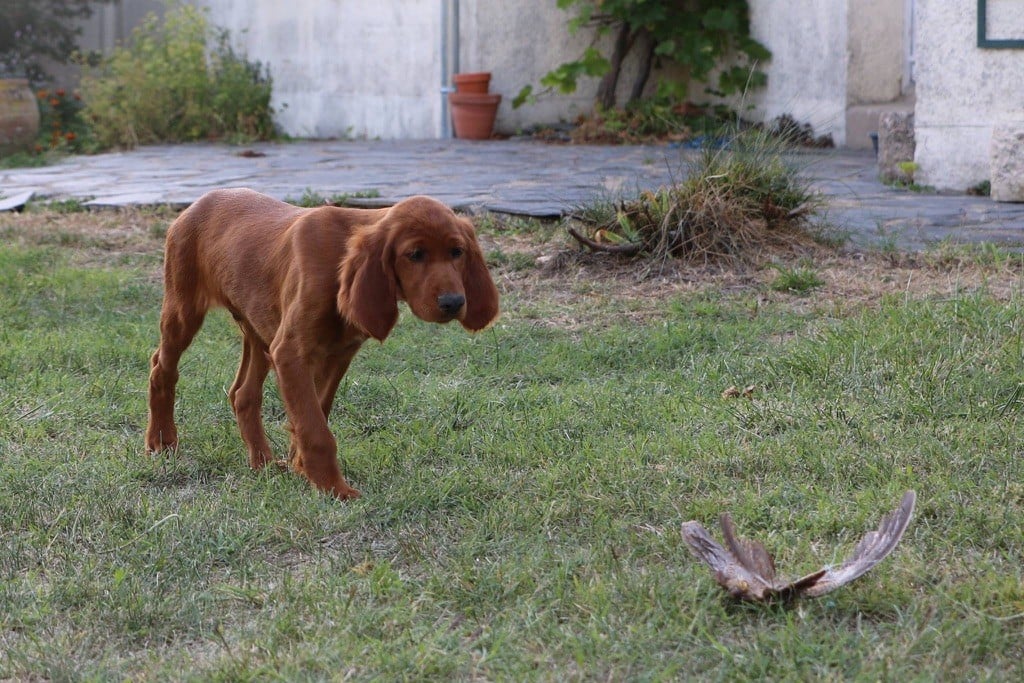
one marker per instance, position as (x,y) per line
(519,177)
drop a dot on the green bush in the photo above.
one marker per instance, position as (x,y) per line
(179,80)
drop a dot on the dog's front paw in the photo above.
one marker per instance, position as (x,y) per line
(342,491)
(260,459)
(158,440)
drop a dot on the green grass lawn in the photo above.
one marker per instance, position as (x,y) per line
(523,488)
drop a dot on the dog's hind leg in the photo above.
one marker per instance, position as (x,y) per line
(246,397)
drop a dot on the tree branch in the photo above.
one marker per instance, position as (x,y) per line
(628,249)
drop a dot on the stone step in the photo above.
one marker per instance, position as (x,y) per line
(862,121)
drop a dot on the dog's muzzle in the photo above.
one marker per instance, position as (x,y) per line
(451,304)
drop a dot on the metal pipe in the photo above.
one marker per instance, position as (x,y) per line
(449,59)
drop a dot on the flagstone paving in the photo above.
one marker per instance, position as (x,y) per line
(512,176)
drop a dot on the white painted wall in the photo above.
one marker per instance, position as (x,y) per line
(110,25)
(877,54)
(962,91)
(807,74)
(351,68)
(325,54)
(344,68)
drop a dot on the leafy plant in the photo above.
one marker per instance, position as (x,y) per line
(34,31)
(25,160)
(179,80)
(907,170)
(61,125)
(697,35)
(655,118)
(903,178)
(62,206)
(982,189)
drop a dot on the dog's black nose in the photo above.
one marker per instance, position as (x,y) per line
(450,304)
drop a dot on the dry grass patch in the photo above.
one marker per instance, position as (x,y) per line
(541,268)
(579,287)
(97,237)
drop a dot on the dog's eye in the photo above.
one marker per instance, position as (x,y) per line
(416,255)
(456,252)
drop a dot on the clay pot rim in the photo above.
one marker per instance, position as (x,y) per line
(471,75)
(473,98)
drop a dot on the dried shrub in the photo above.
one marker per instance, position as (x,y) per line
(734,200)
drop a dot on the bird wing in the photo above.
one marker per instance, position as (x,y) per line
(734,573)
(751,554)
(872,549)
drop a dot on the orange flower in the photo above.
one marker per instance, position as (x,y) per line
(54,102)
(42,94)
(69,136)
(60,92)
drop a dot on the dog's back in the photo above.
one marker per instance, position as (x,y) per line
(220,239)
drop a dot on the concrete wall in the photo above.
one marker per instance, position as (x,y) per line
(519,41)
(344,68)
(353,68)
(349,68)
(876,51)
(325,54)
(807,75)
(112,24)
(962,91)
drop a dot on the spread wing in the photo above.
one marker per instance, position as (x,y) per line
(747,571)
(741,569)
(871,550)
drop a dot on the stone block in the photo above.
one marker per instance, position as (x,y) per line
(896,146)
(1006,162)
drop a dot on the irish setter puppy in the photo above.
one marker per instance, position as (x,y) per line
(307,287)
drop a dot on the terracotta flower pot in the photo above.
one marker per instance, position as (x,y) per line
(19,115)
(473,114)
(475,82)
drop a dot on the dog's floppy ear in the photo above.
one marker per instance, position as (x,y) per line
(367,296)
(481,294)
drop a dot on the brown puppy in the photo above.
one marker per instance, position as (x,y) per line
(307,287)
